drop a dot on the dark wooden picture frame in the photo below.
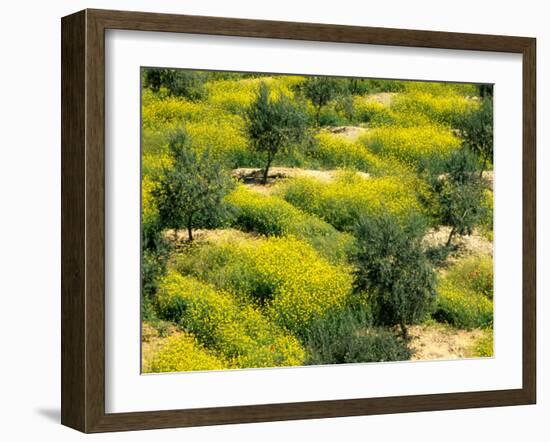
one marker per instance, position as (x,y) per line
(83,220)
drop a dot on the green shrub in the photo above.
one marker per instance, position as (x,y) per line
(274,126)
(320,91)
(343,201)
(271,215)
(190,193)
(458,197)
(476,131)
(393,271)
(376,86)
(177,82)
(182,352)
(347,337)
(235,330)
(330,116)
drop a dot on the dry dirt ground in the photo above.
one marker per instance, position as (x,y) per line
(350,133)
(151,342)
(430,342)
(440,342)
(488,177)
(253,176)
(384,98)
(474,244)
(201,235)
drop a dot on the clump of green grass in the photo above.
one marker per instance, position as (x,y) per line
(372,112)
(182,352)
(473,274)
(271,215)
(417,106)
(483,346)
(465,293)
(235,95)
(347,337)
(438,88)
(486,228)
(342,202)
(425,147)
(286,277)
(235,330)
(334,151)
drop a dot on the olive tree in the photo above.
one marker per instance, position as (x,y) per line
(476,131)
(320,91)
(178,82)
(190,192)
(393,270)
(459,195)
(274,125)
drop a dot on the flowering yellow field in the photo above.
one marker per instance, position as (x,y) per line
(285,218)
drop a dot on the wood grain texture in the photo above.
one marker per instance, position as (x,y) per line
(83,220)
(73,253)
(529,220)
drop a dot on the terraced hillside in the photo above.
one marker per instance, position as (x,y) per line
(292,220)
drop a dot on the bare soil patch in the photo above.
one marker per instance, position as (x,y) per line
(208,235)
(488,176)
(384,98)
(152,342)
(432,342)
(474,244)
(253,177)
(350,133)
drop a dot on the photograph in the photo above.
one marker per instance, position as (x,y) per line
(292,220)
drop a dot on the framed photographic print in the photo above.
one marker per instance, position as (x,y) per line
(266,221)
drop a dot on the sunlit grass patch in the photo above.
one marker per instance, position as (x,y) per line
(208,124)
(372,112)
(465,294)
(413,108)
(441,88)
(271,215)
(474,273)
(182,352)
(343,201)
(149,210)
(424,146)
(486,228)
(336,151)
(238,331)
(161,113)
(236,95)
(291,282)
(484,346)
